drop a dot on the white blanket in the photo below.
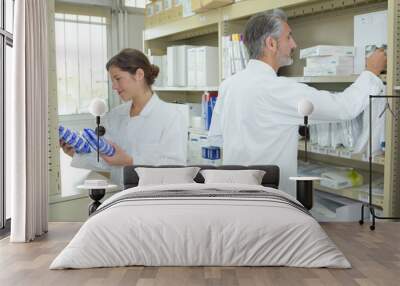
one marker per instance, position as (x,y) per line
(187,231)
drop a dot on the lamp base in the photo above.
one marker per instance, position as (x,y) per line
(96,195)
(304,193)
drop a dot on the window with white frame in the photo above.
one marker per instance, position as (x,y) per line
(81,56)
(135,3)
(6,71)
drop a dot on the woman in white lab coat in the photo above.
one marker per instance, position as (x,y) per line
(144,129)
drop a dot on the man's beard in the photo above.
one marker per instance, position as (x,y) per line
(284,61)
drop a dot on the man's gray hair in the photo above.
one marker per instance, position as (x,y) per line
(260,27)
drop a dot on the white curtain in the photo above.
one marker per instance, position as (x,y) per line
(119,27)
(119,37)
(27,119)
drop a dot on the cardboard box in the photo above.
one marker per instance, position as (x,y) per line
(326,50)
(177,3)
(149,10)
(212,4)
(167,4)
(158,7)
(197,6)
(205,5)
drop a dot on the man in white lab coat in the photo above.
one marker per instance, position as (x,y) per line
(256,119)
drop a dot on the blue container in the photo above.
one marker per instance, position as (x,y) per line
(72,138)
(104,147)
(211,152)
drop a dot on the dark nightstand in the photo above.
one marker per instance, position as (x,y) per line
(304,190)
(96,194)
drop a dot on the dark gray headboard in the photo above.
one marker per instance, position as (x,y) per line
(270,179)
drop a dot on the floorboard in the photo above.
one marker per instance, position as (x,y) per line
(374,255)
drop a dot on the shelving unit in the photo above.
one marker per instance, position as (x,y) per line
(309,19)
(330,79)
(341,154)
(185,88)
(352,193)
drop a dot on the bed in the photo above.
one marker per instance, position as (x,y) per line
(201,224)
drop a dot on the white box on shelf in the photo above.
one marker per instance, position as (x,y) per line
(167,4)
(158,61)
(335,180)
(322,150)
(192,66)
(194,109)
(345,154)
(314,148)
(187,8)
(194,114)
(333,152)
(327,70)
(326,50)
(177,65)
(330,61)
(158,7)
(207,66)
(165,73)
(369,29)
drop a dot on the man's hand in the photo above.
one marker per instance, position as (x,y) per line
(120,158)
(68,149)
(376,62)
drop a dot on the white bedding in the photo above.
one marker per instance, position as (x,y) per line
(200,231)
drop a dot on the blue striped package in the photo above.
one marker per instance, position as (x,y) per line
(104,147)
(74,139)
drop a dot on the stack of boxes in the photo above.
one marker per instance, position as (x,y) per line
(187,66)
(328,60)
(202,66)
(160,12)
(163,11)
(161,62)
(200,6)
(177,64)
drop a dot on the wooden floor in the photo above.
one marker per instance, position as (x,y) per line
(374,255)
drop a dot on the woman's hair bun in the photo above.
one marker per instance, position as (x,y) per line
(155,70)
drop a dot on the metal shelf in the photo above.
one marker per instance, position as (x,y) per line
(248,8)
(341,153)
(185,88)
(244,9)
(199,24)
(293,8)
(330,79)
(237,10)
(351,193)
(230,19)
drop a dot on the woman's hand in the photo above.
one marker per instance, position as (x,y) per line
(68,149)
(120,158)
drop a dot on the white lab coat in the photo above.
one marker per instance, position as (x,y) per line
(256,120)
(157,136)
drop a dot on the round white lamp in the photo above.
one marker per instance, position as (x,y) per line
(304,185)
(97,108)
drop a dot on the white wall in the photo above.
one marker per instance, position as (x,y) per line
(135,31)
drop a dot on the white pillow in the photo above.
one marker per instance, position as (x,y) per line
(166,176)
(248,177)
